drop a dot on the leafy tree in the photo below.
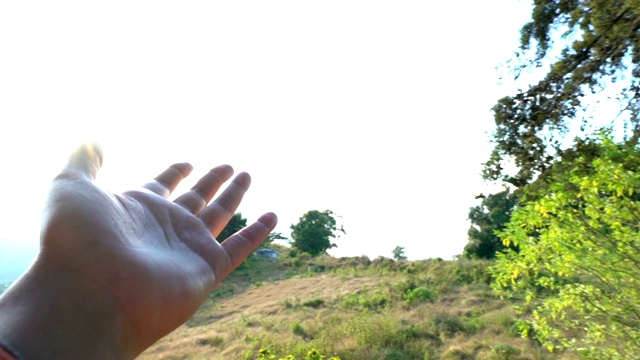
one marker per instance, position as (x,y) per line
(236,224)
(313,233)
(487,218)
(271,238)
(600,45)
(578,263)
(398,253)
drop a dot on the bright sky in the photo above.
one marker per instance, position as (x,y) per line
(376,110)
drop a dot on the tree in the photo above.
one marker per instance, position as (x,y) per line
(234,225)
(599,45)
(487,218)
(271,238)
(398,253)
(578,261)
(313,233)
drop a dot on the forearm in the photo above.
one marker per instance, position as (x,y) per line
(39,320)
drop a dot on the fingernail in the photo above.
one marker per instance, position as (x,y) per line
(269,220)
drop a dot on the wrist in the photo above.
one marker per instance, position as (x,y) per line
(51,313)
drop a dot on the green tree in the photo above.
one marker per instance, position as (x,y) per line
(271,238)
(578,263)
(398,253)
(487,218)
(234,225)
(314,231)
(588,45)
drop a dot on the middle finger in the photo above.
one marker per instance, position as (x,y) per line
(199,196)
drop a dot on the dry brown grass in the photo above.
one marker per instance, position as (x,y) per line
(355,309)
(258,305)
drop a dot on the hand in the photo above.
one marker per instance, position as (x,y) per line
(118,272)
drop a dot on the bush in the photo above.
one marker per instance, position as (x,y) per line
(298,329)
(370,301)
(447,324)
(315,303)
(577,264)
(419,294)
(212,341)
(504,352)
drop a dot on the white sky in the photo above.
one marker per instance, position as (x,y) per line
(376,110)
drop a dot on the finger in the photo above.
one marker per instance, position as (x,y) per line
(164,183)
(84,162)
(199,196)
(240,245)
(217,215)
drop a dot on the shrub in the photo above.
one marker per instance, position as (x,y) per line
(419,294)
(312,354)
(503,351)
(371,301)
(298,329)
(315,303)
(579,244)
(448,324)
(212,341)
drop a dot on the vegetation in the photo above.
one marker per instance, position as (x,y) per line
(586,47)
(313,233)
(354,308)
(236,224)
(398,253)
(271,238)
(573,240)
(578,261)
(487,218)
(312,354)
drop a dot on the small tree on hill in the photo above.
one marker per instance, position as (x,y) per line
(234,225)
(313,233)
(398,253)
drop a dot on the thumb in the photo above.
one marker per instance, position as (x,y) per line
(84,162)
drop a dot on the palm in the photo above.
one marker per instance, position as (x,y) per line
(156,260)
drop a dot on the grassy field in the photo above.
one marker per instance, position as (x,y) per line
(353,308)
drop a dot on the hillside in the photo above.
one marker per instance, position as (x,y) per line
(353,308)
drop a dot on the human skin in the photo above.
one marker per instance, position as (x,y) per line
(116,272)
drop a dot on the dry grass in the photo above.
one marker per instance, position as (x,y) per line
(354,309)
(261,307)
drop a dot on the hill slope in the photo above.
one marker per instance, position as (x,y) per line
(355,309)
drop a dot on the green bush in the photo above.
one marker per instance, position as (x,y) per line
(298,329)
(371,301)
(448,324)
(312,354)
(419,294)
(503,351)
(315,303)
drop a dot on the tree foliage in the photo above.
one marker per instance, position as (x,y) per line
(398,253)
(487,218)
(234,225)
(600,45)
(314,231)
(579,256)
(271,238)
